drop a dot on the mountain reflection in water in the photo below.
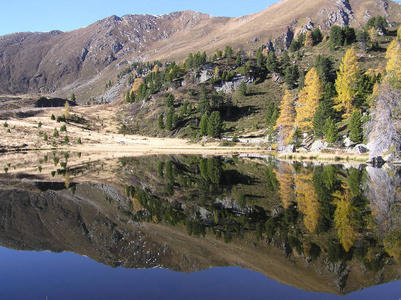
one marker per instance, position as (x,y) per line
(323,228)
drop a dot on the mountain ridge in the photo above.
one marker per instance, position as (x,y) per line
(82,61)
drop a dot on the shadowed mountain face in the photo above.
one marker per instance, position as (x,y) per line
(323,228)
(84,60)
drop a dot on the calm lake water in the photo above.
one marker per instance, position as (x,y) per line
(193,227)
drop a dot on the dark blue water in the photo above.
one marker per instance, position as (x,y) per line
(37,275)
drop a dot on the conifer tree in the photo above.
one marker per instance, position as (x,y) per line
(272,63)
(308,100)
(393,55)
(308,39)
(286,120)
(242,88)
(169,119)
(66,110)
(214,125)
(161,122)
(330,130)
(355,127)
(347,83)
(203,125)
(285,59)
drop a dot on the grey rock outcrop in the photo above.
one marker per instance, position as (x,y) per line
(318,146)
(230,86)
(359,149)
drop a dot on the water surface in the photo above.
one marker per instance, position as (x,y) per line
(196,227)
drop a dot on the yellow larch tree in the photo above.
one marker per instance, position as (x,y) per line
(308,100)
(393,56)
(347,83)
(137,82)
(285,122)
(344,218)
(307,199)
(308,39)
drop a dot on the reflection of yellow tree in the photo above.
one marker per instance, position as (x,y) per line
(67,180)
(285,174)
(343,218)
(308,200)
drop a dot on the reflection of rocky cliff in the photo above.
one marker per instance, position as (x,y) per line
(144,221)
(383,189)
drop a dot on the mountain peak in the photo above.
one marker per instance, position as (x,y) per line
(33,63)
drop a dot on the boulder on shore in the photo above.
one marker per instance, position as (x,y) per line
(318,145)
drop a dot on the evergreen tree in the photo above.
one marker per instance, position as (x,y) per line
(73,99)
(291,76)
(242,89)
(272,63)
(161,121)
(355,127)
(336,36)
(203,125)
(170,100)
(238,60)
(260,59)
(330,130)
(295,46)
(132,97)
(127,97)
(347,83)
(317,36)
(285,60)
(319,120)
(349,35)
(228,52)
(214,125)
(272,114)
(308,100)
(169,119)
(324,66)
(325,110)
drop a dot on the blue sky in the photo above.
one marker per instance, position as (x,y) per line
(46,15)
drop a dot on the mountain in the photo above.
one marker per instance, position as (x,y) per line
(83,61)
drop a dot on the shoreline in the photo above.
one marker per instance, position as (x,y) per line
(154,147)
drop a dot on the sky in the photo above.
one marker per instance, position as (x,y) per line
(47,15)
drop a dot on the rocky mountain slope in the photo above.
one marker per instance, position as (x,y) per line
(84,60)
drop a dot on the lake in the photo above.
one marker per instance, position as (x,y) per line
(81,226)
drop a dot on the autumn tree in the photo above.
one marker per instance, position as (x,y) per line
(347,83)
(393,56)
(308,39)
(66,110)
(285,122)
(308,100)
